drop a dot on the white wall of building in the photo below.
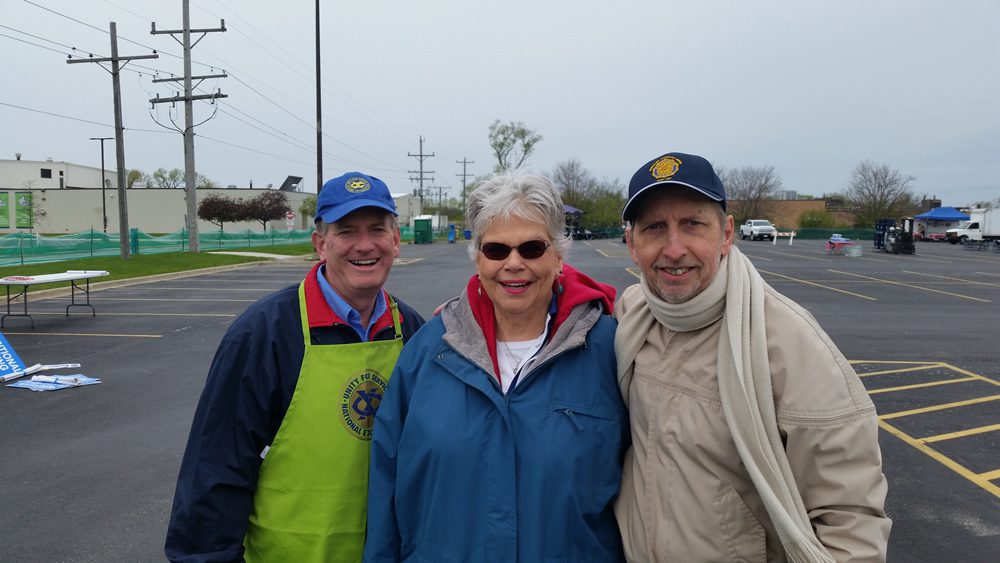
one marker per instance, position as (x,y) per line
(25,174)
(151,210)
(75,205)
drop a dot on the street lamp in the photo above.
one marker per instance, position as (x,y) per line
(104,183)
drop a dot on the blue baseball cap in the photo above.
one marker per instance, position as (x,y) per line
(349,192)
(674,169)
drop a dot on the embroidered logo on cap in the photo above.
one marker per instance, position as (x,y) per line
(665,167)
(357,184)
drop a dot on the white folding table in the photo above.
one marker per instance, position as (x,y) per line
(72,276)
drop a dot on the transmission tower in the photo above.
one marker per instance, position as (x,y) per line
(421,173)
(464,162)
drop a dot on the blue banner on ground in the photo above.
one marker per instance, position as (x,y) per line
(9,360)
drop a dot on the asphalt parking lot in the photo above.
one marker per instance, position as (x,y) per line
(87,474)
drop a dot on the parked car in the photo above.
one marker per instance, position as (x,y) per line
(757,229)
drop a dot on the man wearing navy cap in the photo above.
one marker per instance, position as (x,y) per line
(752,437)
(276,466)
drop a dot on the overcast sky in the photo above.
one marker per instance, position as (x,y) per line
(811,88)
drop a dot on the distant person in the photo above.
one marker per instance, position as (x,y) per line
(277,462)
(752,437)
(501,436)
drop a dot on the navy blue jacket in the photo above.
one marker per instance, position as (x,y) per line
(247,392)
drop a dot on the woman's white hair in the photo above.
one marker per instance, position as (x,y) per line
(516,194)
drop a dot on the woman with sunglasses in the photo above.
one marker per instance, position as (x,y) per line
(501,434)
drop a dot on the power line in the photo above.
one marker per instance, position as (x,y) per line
(33,44)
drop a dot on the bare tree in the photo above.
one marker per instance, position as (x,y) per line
(878,191)
(574,182)
(749,189)
(512,143)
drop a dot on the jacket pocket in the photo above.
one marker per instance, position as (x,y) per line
(745,538)
(580,417)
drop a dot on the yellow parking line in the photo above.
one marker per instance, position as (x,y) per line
(634,271)
(947,462)
(920,385)
(619,254)
(752,257)
(405,261)
(990,475)
(935,408)
(817,285)
(924,363)
(913,286)
(960,434)
(35,333)
(952,279)
(970,374)
(900,370)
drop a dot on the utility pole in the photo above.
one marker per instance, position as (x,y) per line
(116,84)
(421,157)
(104,199)
(319,115)
(464,162)
(440,192)
(190,177)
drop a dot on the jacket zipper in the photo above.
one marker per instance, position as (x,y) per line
(548,360)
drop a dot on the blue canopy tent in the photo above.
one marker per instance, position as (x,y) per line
(570,210)
(934,223)
(943,214)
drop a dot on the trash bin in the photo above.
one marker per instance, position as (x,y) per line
(468,234)
(451,233)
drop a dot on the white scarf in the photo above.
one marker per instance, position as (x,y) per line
(735,295)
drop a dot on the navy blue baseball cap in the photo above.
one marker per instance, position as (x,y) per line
(349,192)
(674,169)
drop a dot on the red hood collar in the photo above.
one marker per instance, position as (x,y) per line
(577,288)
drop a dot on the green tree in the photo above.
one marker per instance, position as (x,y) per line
(512,143)
(170,179)
(135,176)
(204,183)
(308,206)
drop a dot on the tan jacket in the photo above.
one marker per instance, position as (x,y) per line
(685,494)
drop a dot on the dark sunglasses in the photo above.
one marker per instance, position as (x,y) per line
(529,250)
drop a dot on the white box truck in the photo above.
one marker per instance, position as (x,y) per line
(983,224)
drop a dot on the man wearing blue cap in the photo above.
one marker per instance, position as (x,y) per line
(752,437)
(276,466)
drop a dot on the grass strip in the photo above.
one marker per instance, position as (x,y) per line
(142,265)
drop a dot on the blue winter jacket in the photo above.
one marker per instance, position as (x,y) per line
(460,472)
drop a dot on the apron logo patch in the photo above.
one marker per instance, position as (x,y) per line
(359,402)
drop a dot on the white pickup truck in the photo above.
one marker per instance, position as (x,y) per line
(757,229)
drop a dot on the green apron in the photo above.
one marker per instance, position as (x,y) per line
(312,493)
